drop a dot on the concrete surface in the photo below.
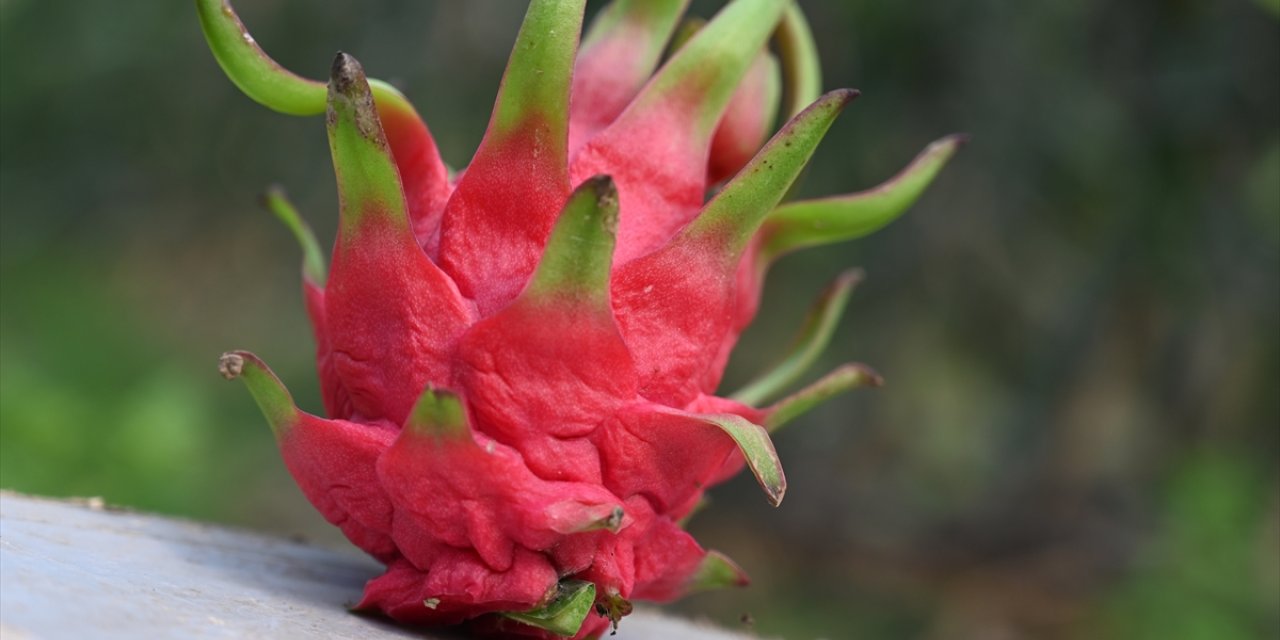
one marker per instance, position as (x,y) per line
(78,569)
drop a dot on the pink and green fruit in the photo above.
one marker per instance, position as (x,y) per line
(520,361)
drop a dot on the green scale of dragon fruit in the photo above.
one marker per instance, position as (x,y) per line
(519,363)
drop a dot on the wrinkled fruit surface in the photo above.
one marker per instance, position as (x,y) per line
(519,362)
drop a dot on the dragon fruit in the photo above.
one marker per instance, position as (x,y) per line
(519,362)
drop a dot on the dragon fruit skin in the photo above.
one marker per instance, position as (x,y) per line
(519,364)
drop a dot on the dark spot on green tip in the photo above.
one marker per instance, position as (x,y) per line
(615,519)
(349,90)
(346,73)
(606,191)
(614,607)
(579,252)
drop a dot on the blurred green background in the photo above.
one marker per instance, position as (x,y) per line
(1079,323)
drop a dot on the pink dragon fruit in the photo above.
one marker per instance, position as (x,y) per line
(519,363)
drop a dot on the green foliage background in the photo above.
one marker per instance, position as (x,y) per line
(1079,323)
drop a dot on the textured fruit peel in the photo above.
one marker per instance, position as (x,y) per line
(520,363)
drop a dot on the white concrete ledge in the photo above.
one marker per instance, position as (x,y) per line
(75,569)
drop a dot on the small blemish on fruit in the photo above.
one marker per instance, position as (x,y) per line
(431,603)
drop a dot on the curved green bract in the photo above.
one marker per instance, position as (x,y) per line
(845,378)
(566,613)
(251,69)
(738,210)
(655,17)
(756,447)
(807,347)
(540,70)
(262,78)
(437,414)
(580,250)
(368,180)
(716,571)
(711,64)
(267,390)
(809,223)
(313,267)
(801,69)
